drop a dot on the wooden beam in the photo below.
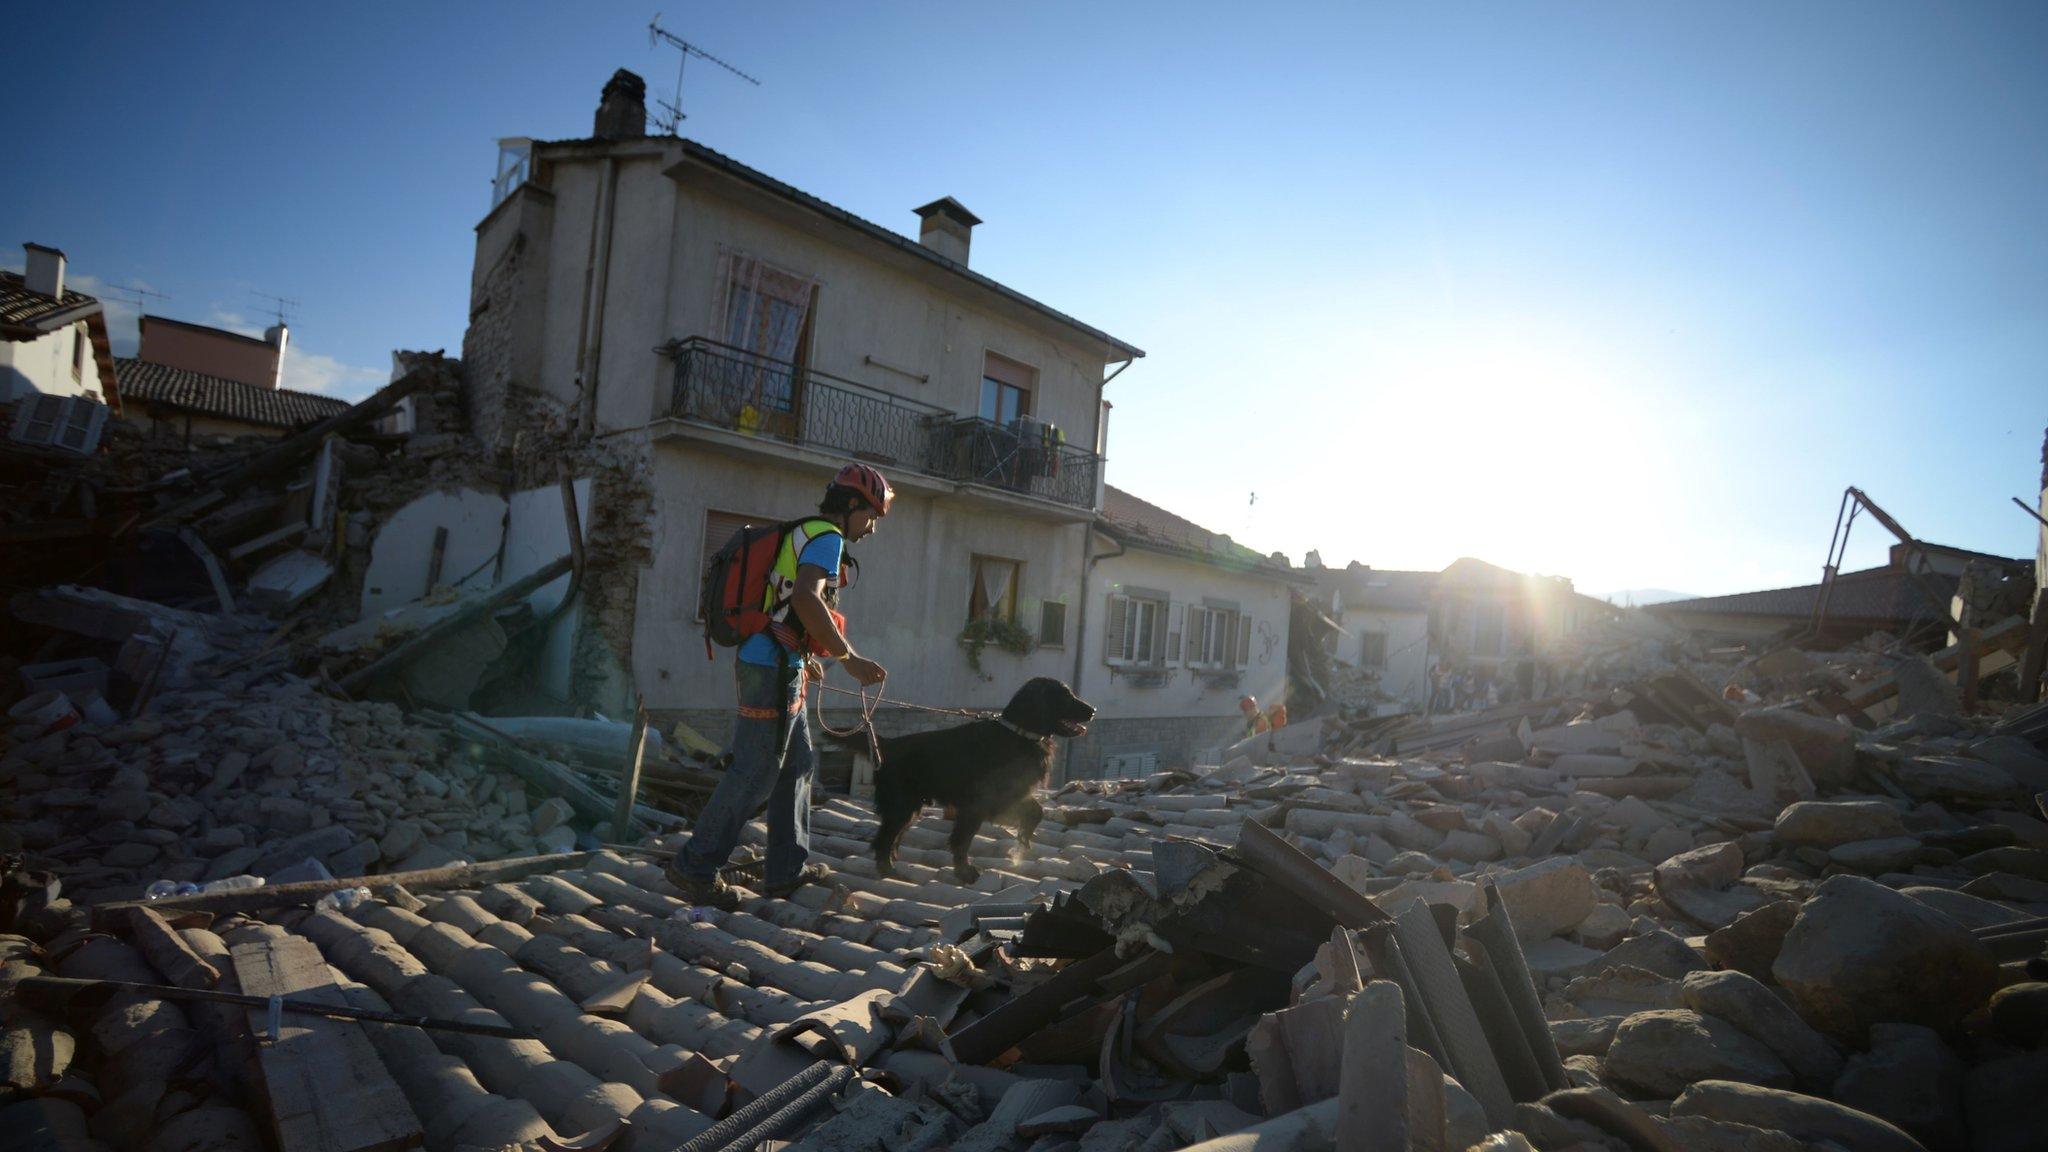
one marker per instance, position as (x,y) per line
(2008,635)
(416,645)
(113,916)
(328,1090)
(629,785)
(167,952)
(291,449)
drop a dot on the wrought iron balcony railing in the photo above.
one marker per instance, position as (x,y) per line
(733,388)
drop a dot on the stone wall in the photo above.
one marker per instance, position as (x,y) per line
(488,347)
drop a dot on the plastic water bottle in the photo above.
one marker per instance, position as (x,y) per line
(159,889)
(232,883)
(343,899)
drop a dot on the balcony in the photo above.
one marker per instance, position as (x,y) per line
(732,388)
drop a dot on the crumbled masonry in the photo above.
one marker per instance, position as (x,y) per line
(1760,899)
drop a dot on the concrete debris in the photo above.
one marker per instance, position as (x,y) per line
(1687,898)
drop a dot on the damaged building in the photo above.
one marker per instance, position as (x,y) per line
(739,340)
(304,850)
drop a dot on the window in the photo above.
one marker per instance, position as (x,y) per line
(1136,633)
(1373,650)
(767,312)
(515,162)
(719,528)
(1052,624)
(1213,639)
(994,595)
(78,339)
(70,422)
(1005,389)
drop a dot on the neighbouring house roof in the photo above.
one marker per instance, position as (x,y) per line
(1873,594)
(720,162)
(1141,524)
(190,391)
(1385,589)
(26,315)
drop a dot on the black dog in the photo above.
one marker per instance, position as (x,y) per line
(984,770)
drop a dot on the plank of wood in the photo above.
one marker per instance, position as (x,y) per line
(167,952)
(327,1088)
(2008,636)
(113,916)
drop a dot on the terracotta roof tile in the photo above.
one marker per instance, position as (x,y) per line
(1141,522)
(189,391)
(18,305)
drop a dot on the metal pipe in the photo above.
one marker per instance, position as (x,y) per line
(793,1113)
(60,992)
(1081,628)
(759,1109)
(597,276)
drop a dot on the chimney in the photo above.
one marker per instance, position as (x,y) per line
(622,112)
(276,336)
(45,271)
(948,227)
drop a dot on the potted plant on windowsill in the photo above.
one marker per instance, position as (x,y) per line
(1004,634)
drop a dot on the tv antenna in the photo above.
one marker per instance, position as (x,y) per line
(282,306)
(134,294)
(672,110)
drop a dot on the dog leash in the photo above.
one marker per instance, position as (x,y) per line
(866,725)
(969,713)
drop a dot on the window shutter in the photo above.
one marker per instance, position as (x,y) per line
(1113,629)
(1176,621)
(1244,640)
(1159,630)
(1198,618)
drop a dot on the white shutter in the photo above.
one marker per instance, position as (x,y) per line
(1244,640)
(1113,628)
(1176,614)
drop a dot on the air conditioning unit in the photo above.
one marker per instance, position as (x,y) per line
(1129,765)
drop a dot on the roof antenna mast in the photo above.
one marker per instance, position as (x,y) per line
(672,115)
(284,306)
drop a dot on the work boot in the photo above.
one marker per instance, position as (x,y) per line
(712,893)
(808,874)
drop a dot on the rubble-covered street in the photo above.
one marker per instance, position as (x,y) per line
(1707,898)
(545,609)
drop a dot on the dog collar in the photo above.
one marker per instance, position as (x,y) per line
(1033,736)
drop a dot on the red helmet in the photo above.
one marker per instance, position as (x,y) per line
(867,482)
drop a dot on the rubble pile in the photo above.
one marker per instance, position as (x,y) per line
(1683,899)
(247,769)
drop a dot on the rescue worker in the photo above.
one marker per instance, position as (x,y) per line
(1254,720)
(771,746)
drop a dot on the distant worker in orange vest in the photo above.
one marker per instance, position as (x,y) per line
(1276,716)
(1254,720)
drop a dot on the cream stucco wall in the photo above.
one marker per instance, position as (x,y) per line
(906,610)
(43,365)
(1185,693)
(662,284)
(1405,674)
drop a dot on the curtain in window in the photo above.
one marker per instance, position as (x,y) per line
(995,588)
(764,313)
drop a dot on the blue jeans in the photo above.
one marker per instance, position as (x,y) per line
(771,717)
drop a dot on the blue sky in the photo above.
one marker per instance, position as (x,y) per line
(1622,292)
